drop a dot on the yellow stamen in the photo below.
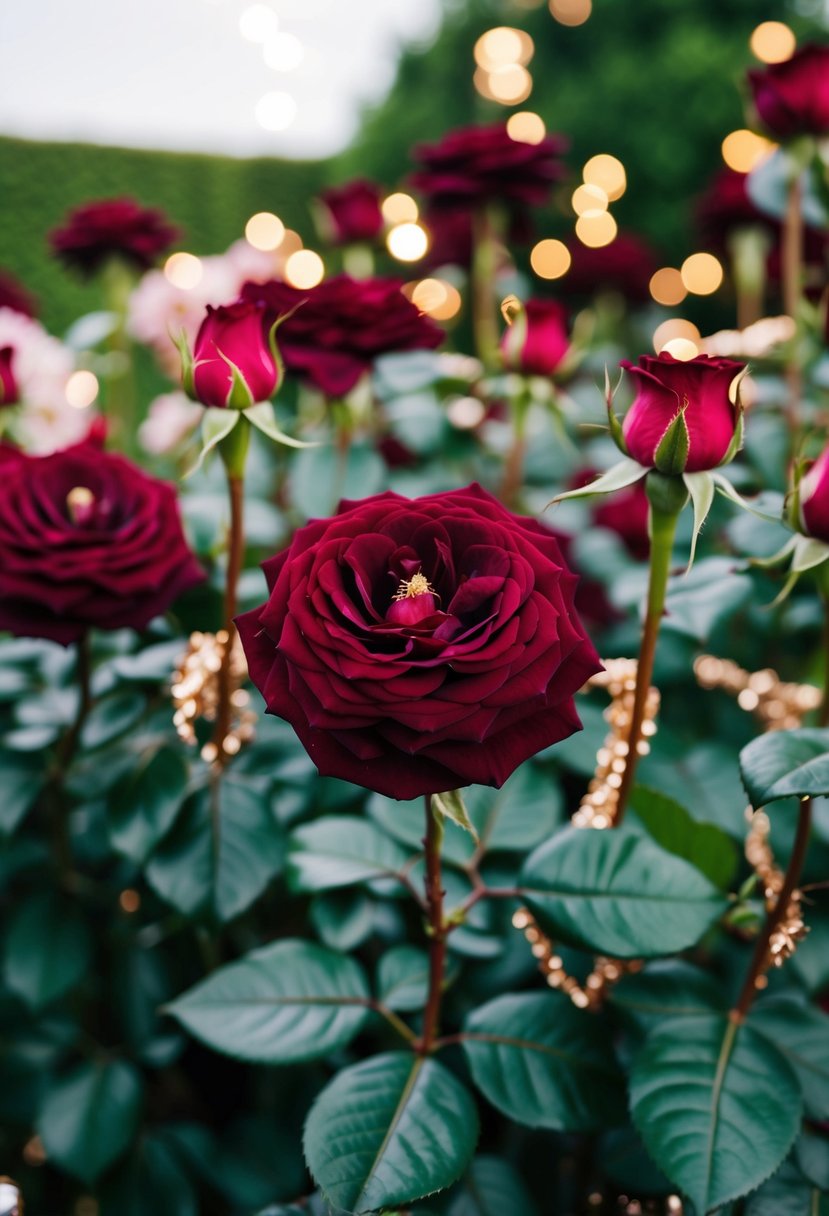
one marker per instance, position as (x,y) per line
(77,500)
(418,584)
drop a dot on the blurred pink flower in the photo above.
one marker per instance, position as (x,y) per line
(44,421)
(170,422)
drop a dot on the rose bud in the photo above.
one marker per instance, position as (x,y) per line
(686,416)
(87,540)
(113,227)
(9,391)
(416,646)
(792,97)
(536,341)
(352,213)
(812,499)
(234,362)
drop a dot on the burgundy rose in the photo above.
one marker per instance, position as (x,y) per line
(697,389)
(537,340)
(341,326)
(626,513)
(792,98)
(233,360)
(9,392)
(14,295)
(813,499)
(476,165)
(419,645)
(116,227)
(354,212)
(87,540)
(625,265)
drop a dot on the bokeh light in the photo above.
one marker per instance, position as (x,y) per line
(437,298)
(550,259)
(526,127)
(702,274)
(608,173)
(399,208)
(290,243)
(258,23)
(744,150)
(571,12)
(675,327)
(304,269)
(407,242)
(283,52)
(465,413)
(681,348)
(510,84)
(772,42)
(264,231)
(596,228)
(183,270)
(81,389)
(589,198)
(276,111)
(501,46)
(667,287)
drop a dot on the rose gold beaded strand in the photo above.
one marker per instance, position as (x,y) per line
(195,692)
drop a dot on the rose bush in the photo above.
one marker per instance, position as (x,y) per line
(87,540)
(352,212)
(117,227)
(416,646)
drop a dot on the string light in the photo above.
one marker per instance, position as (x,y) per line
(526,127)
(571,12)
(82,389)
(596,228)
(407,242)
(510,84)
(608,173)
(264,231)
(667,287)
(437,298)
(772,42)
(589,198)
(675,327)
(702,274)
(399,208)
(681,348)
(744,150)
(183,270)
(304,269)
(550,259)
(501,46)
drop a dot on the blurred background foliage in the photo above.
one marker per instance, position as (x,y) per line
(653,82)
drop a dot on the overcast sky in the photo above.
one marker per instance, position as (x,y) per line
(181,74)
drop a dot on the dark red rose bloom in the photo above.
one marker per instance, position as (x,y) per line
(792,98)
(395,453)
(9,392)
(354,212)
(87,540)
(538,339)
(14,295)
(698,387)
(813,499)
(625,266)
(420,645)
(341,326)
(233,363)
(477,165)
(113,227)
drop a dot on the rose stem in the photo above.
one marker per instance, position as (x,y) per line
(234,453)
(514,465)
(662,528)
(792,274)
(63,757)
(437,929)
(823,716)
(774,917)
(484,317)
(121,395)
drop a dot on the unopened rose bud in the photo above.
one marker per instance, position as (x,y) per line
(686,416)
(234,363)
(812,515)
(353,213)
(537,339)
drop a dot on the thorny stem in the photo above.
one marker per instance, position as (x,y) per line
(774,917)
(514,466)
(236,549)
(663,527)
(437,929)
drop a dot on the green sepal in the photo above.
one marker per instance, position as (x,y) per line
(187,364)
(701,488)
(737,439)
(725,487)
(240,397)
(216,426)
(263,418)
(616,433)
(452,806)
(625,473)
(667,495)
(671,455)
(274,348)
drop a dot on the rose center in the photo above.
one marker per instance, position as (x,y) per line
(414,600)
(418,584)
(80,504)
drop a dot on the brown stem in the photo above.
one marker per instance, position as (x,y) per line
(774,917)
(514,468)
(235,555)
(484,265)
(437,931)
(792,258)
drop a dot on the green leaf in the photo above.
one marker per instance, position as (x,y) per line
(219,856)
(286,1002)
(149,1180)
(22,779)
(788,1193)
(782,763)
(143,807)
(544,1063)
(666,989)
(47,949)
(812,1155)
(111,717)
(89,1117)
(263,418)
(451,806)
(339,850)
(716,1105)
(389,1130)
(403,978)
(343,919)
(705,846)
(491,1187)
(800,1032)
(617,893)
